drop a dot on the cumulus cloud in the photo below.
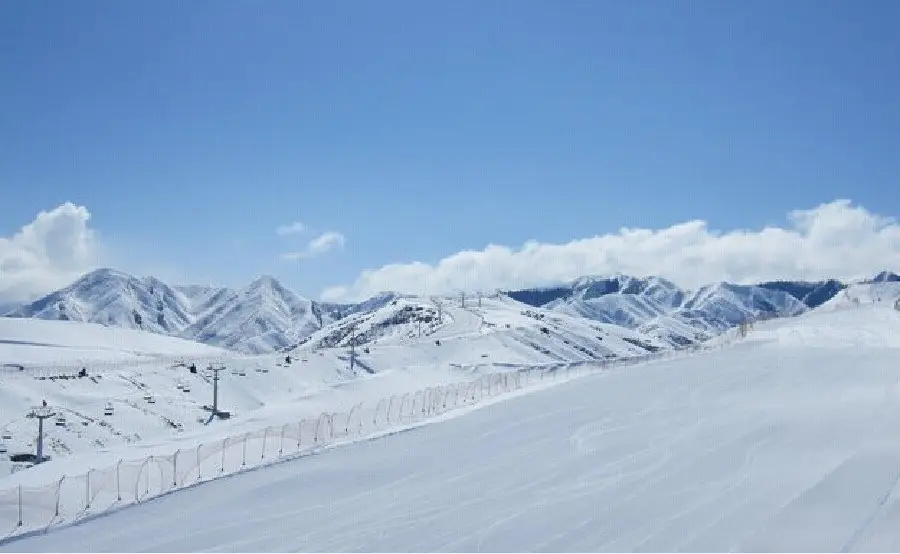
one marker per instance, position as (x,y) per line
(48,253)
(294,228)
(835,239)
(319,245)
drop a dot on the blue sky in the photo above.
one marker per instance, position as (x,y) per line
(192,130)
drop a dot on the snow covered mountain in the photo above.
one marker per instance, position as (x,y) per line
(265,316)
(813,294)
(114,298)
(886,277)
(262,317)
(659,308)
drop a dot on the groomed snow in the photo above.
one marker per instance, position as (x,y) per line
(788,441)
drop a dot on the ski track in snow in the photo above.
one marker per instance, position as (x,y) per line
(787,442)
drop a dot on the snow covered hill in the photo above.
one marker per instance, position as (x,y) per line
(786,441)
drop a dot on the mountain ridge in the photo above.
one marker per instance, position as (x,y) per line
(266,316)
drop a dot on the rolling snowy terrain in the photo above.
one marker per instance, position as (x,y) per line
(786,440)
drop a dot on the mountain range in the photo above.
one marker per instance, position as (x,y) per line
(266,317)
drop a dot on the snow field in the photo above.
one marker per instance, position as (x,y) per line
(787,441)
(258,390)
(773,444)
(42,500)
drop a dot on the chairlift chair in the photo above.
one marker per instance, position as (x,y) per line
(3,449)
(61,421)
(108,410)
(7,436)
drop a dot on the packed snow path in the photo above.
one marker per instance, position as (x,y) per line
(789,441)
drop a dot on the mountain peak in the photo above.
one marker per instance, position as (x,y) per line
(102,274)
(886,277)
(264,281)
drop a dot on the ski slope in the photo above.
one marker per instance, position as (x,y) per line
(787,441)
(158,403)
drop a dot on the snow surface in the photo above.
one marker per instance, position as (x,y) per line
(787,441)
(125,367)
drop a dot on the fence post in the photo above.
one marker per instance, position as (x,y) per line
(262,456)
(87,490)
(119,480)
(20,506)
(58,494)
(299,436)
(175,469)
(244,457)
(199,469)
(147,488)
(224,450)
(281,447)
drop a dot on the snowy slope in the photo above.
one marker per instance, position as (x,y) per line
(125,367)
(64,343)
(784,442)
(501,331)
(869,293)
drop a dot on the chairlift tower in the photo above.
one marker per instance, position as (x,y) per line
(352,345)
(215,378)
(41,413)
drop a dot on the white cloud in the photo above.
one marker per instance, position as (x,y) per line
(48,253)
(294,228)
(319,245)
(836,239)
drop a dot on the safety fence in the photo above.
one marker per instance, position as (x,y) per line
(74,497)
